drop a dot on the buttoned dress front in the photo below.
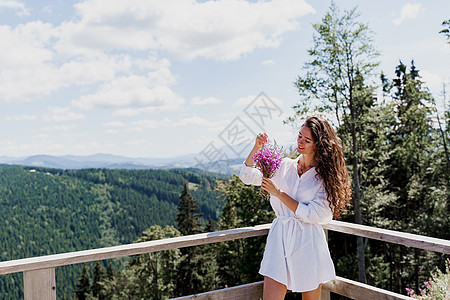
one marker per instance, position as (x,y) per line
(296,252)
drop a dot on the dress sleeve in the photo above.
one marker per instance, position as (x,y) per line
(250,175)
(317,210)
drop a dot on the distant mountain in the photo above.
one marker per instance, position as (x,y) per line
(47,211)
(110,161)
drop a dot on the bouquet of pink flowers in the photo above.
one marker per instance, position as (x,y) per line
(268,160)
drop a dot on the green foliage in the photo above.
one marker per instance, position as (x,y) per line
(343,60)
(437,287)
(342,50)
(446,31)
(398,159)
(187,217)
(83,286)
(146,276)
(49,211)
(163,274)
(190,278)
(99,276)
(239,260)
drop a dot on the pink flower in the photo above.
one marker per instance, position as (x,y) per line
(268,160)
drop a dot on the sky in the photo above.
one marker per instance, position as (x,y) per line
(175,77)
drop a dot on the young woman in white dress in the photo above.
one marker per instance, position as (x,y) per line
(305,192)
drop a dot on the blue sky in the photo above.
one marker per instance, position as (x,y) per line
(168,78)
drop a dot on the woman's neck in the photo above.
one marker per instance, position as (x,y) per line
(309,161)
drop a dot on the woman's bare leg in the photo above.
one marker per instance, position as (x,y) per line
(273,290)
(312,295)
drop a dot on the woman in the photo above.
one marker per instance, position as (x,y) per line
(305,192)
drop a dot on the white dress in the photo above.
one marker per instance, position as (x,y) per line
(296,253)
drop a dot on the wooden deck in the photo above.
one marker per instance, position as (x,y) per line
(39,272)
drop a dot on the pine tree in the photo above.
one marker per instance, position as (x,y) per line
(110,271)
(83,286)
(189,277)
(446,31)
(99,275)
(187,217)
(239,260)
(416,177)
(343,60)
(210,254)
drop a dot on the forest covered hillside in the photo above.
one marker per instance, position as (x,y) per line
(47,211)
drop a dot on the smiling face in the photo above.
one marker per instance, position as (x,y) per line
(305,142)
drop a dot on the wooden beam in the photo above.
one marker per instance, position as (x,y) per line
(341,286)
(251,291)
(391,236)
(56,260)
(39,284)
(325,294)
(356,290)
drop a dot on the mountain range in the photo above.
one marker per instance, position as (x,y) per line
(109,161)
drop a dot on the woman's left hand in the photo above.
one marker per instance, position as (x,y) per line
(268,185)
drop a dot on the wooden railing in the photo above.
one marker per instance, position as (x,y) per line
(39,272)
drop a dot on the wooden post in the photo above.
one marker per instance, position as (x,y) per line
(39,284)
(325,294)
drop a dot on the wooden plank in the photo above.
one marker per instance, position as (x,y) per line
(56,260)
(356,290)
(341,286)
(391,236)
(39,284)
(325,294)
(251,291)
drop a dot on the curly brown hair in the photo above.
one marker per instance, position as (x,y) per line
(331,165)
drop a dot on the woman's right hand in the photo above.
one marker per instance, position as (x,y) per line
(261,140)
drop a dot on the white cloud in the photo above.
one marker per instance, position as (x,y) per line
(268,62)
(114,124)
(26,72)
(445,49)
(113,41)
(48,9)
(36,146)
(15,5)
(433,82)
(21,117)
(34,66)
(132,91)
(221,30)
(61,114)
(135,126)
(244,101)
(409,11)
(204,101)
(194,120)
(59,128)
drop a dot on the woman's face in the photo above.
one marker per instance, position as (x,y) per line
(305,142)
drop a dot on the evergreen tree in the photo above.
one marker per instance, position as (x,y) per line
(417,174)
(189,278)
(110,272)
(446,31)
(83,286)
(187,217)
(99,275)
(343,59)
(147,276)
(210,254)
(239,260)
